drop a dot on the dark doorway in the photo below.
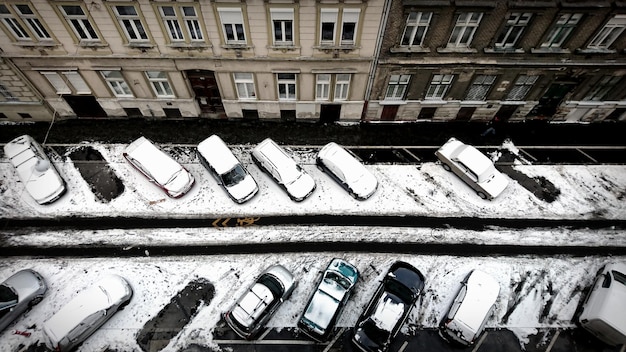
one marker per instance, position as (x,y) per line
(616,114)
(465,113)
(426,113)
(330,113)
(389,113)
(85,105)
(506,112)
(551,99)
(250,114)
(288,115)
(206,91)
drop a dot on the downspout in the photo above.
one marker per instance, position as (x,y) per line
(374,63)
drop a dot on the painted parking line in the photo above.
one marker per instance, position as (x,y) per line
(556,336)
(480,342)
(337,336)
(267,331)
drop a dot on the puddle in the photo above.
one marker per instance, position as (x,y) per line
(539,186)
(157,333)
(102,180)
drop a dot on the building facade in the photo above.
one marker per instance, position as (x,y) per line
(504,60)
(327,60)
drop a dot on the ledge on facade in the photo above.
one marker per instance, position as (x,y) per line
(595,51)
(473,102)
(236,47)
(550,51)
(456,50)
(513,102)
(33,45)
(190,46)
(590,4)
(409,49)
(336,48)
(542,4)
(392,102)
(141,45)
(284,48)
(92,44)
(503,51)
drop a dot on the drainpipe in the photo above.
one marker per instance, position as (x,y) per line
(374,63)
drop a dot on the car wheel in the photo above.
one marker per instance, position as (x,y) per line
(446,167)
(482,195)
(35,301)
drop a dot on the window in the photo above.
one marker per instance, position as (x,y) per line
(182,23)
(286,86)
(416,26)
(561,30)
(480,87)
(328,23)
(464,29)
(6,93)
(340,89)
(12,24)
(245,85)
(34,24)
(397,87)
(329,19)
(78,20)
(232,24)
(116,82)
(282,25)
(609,33)
(349,23)
(131,23)
(68,82)
(160,84)
(515,25)
(439,86)
(602,88)
(522,86)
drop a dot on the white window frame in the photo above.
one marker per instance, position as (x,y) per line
(322,86)
(417,24)
(342,86)
(397,87)
(244,83)
(281,19)
(77,81)
(609,33)
(182,25)
(439,86)
(463,33)
(522,86)
(515,25)
(349,17)
(13,24)
(328,16)
(117,83)
(160,84)
(171,23)
(33,22)
(287,84)
(480,87)
(561,30)
(67,82)
(137,28)
(602,88)
(232,18)
(80,23)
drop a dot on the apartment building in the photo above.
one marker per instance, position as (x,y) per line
(265,59)
(511,60)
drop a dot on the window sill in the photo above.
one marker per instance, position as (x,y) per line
(284,48)
(92,44)
(200,46)
(236,47)
(595,51)
(333,48)
(392,102)
(550,51)
(32,45)
(141,45)
(503,51)
(409,49)
(456,50)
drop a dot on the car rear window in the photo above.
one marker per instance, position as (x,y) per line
(619,277)
(272,284)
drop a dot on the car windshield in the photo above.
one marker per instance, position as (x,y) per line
(234,176)
(8,299)
(379,336)
(334,277)
(399,290)
(173,177)
(272,284)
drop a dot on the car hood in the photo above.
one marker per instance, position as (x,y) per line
(250,307)
(363,185)
(495,185)
(180,183)
(301,187)
(243,190)
(42,186)
(321,309)
(26,283)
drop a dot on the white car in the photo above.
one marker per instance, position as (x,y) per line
(19,293)
(473,167)
(471,308)
(39,176)
(160,168)
(347,170)
(85,313)
(215,155)
(273,160)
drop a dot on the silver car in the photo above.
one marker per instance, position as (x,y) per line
(345,168)
(19,292)
(473,304)
(328,299)
(85,313)
(255,307)
(473,167)
(273,160)
(39,176)
(158,167)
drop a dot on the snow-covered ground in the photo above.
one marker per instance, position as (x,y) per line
(529,284)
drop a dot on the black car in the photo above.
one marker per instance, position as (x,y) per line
(389,308)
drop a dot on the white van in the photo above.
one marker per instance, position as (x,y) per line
(604,310)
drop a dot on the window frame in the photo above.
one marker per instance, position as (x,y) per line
(133,20)
(74,20)
(555,38)
(67,82)
(516,21)
(287,83)
(160,85)
(482,85)
(282,16)
(439,86)
(397,85)
(607,35)
(180,26)
(34,22)
(347,19)
(602,88)
(521,87)
(248,91)
(116,84)
(416,25)
(465,27)
(227,21)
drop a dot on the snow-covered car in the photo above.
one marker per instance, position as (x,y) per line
(470,309)
(273,160)
(388,309)
(328,299)
(85,313)
(345,168)
(604,308)
(228,171)
(159,167)
(39,176)
(257,305)
(473,167)
(18,293)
